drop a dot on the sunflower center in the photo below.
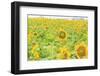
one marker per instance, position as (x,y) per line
(65,55)
(62,34)
(35,33)
(81,51)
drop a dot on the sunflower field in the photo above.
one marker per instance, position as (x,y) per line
(57,39)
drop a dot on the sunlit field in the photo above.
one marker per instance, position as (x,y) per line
(57,38)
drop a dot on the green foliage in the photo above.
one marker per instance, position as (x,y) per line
(45,32)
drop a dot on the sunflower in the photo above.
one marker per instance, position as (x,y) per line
(34,46)
(80,25)
(30,36)
(36,55)
(81,50)
(78,28)
(63,54)
(62,35)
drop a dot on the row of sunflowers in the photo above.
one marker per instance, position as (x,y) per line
(57,39)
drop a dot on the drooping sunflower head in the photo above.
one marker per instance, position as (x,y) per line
(63,54)
(36,55)
(35,33)
(81,50)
